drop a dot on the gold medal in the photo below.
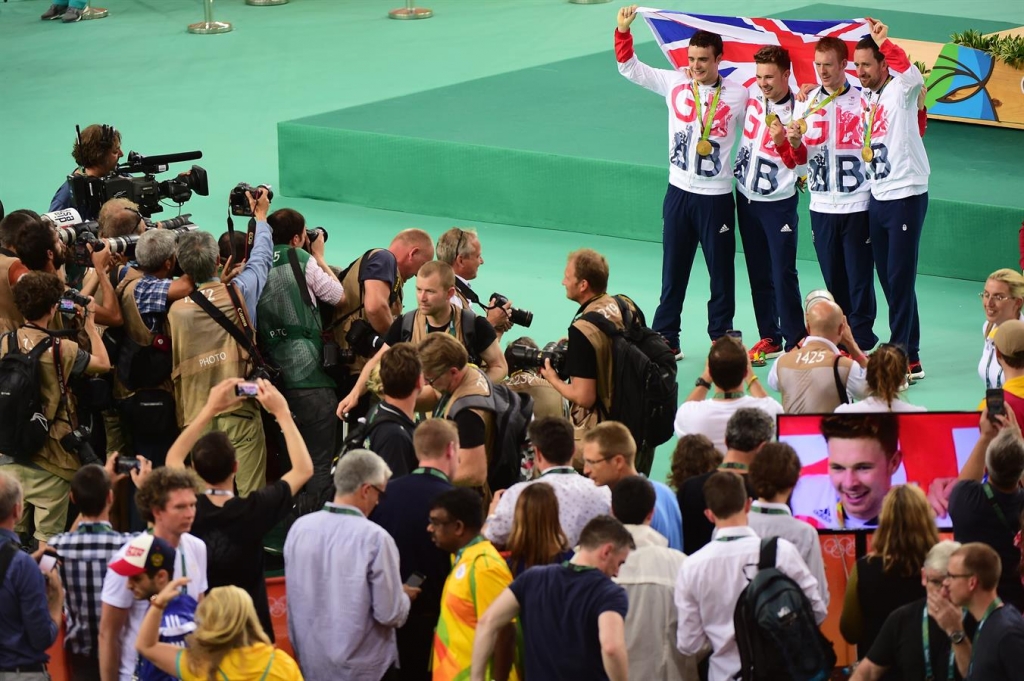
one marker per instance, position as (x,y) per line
(771,118)
(867,153)
(802,124)
(704,148)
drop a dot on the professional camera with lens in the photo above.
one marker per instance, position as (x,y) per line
(520,317)
(364,339)
(82,256)
(312,234)
(77,442)
(68,300)
(238,202)
(335,356)
(90,193)
(531,358)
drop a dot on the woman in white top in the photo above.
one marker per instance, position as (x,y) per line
(887,371)
(1002,300)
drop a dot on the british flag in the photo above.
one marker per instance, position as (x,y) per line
(743,37)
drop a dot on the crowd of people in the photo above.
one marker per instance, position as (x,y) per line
(455,510)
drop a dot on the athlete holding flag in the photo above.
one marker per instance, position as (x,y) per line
(704,110)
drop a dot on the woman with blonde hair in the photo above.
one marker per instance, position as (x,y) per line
(889,576)
(228,644)
(1002,301)
(536,537)
(887,376)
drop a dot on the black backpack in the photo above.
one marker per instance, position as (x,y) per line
(23,425)
(645,391)
(776,634)
(513,413)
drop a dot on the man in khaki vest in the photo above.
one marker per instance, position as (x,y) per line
(435,285)
(815,378)
(447,370)
(47,477)
(460,248)
(11,269)
(205,354)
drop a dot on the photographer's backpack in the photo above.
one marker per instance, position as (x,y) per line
(513,413)
(776,633)
(23,425)
(645,391)
(468,331)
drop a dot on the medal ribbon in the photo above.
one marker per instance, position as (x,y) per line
(871,115)
(705,120)
(825,102)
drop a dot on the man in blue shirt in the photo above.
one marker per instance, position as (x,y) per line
(30,602)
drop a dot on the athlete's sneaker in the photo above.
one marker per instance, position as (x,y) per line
(677,352)
(55,12)
(915,371)
(72,15)
(764,350)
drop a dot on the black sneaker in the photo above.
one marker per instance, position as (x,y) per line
(55,12)
(72,15)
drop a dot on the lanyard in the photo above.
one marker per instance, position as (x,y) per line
(928,674)
(998,602)
(441,405)
(559,470)
(705,121)
(732,466)
(871,122)
(451,325)
(991,496)
(331,508)
(458,554)
(729,538)
(768,511)
(219,493)
(730,395)
(577,568)
(98,527)
(431,471)
(988,367)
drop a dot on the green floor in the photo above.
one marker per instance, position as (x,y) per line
(169,91)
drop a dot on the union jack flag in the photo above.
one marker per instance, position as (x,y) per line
(743,37)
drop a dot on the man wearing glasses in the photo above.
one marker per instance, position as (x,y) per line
(461,249)
(345,593)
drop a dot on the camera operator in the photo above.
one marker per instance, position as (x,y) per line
(97,151)
(373,292)
(435,285)
(142,383)
(461,249)
(525,379)
(47,477)
(205,353)
(290,333)
(588,361)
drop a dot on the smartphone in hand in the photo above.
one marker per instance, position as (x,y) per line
(415,580)
(47,562)
(994,403)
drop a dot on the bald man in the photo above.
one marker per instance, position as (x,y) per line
(815,378)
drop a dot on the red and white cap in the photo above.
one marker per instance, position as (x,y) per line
(145,553)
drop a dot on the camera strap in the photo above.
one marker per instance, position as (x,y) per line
(250,238)
(468,292)
(300,278)
(62,384)
(243,338)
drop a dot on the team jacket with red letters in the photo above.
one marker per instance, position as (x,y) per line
(688,170)
(761,174)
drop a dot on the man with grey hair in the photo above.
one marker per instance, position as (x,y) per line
(989,511)
(142,379)
(30,601)
(816,378)
(460,248)
(901,647)
(204,352)
(345,592)
(746,432)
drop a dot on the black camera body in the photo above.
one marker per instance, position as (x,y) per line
(524,358)
(77,442)
(363,339)
(312,234)
(267,372)
(90,193)
(518,316)
(238,202)
(335,356)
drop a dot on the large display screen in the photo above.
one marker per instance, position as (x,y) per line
(845,478)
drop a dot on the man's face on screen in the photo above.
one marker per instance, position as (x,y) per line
(861,474)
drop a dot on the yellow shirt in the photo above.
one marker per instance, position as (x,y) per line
(247,664)
(1014,386)
(476,579)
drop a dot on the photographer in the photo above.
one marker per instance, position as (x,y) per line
(290,333)
(205,352)
(142,383)
(435,285)
(97,152)
(46,474)
(461,249)
(525,379)
(11,268)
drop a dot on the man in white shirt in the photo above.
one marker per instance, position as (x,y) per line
(579,499)
(815,378)
(460,248)
(648,577)
(728,368)
(167,498)
(711,580)
(773,475)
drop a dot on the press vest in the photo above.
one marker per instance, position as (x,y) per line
(546,400)
(289,329)
(456,327)
(52,458)
(352,307)
(475,382)
(10,318)
(807,379)
(605,305)
(203,351)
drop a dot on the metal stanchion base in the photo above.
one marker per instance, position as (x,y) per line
(207,27)
(266,3)
(94,13)
(411,13)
